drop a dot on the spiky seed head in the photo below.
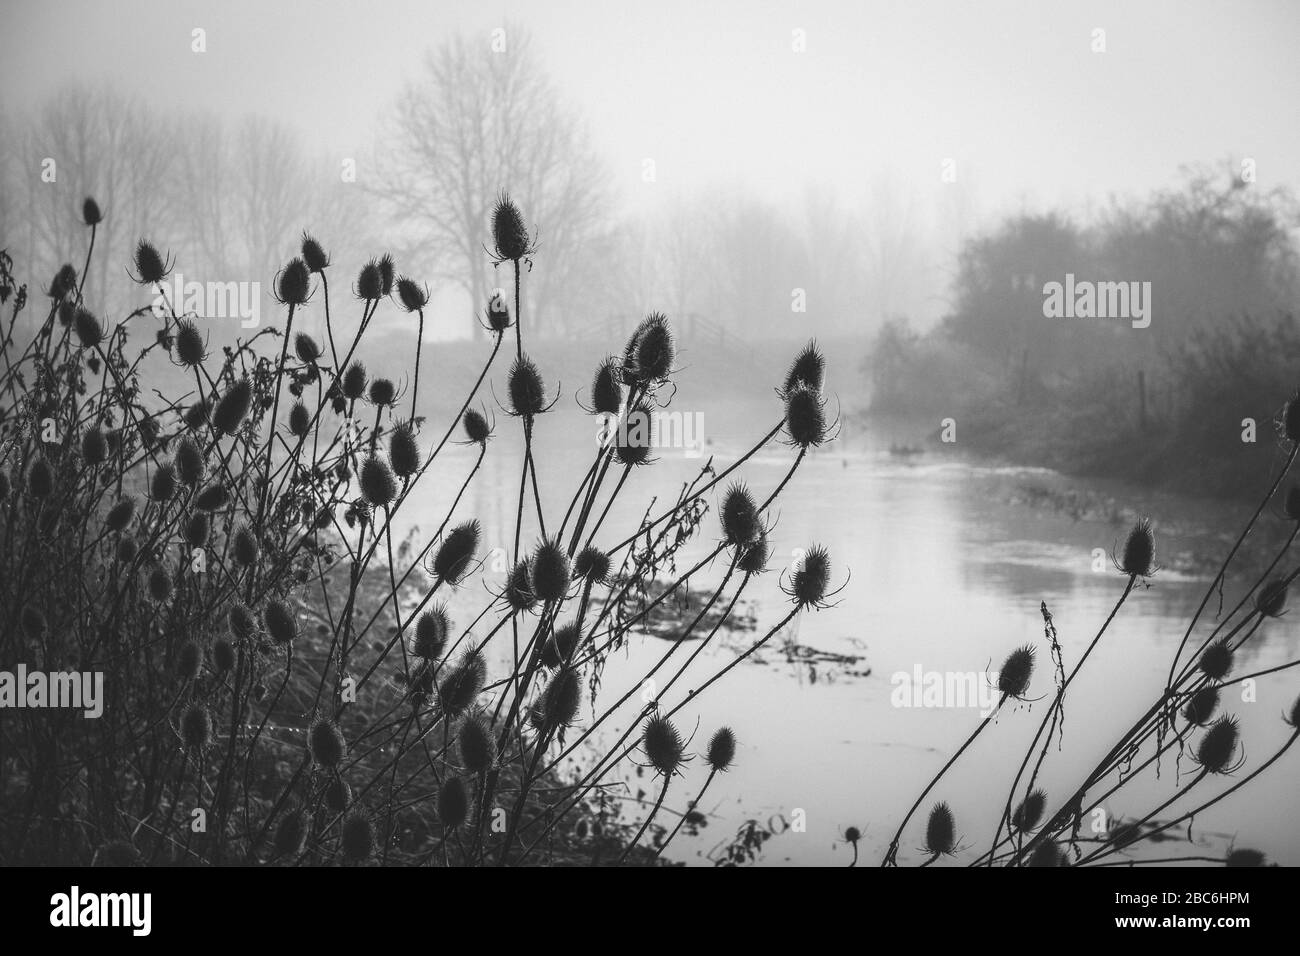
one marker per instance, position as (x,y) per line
(299,420)
(607,389)
(233,407)
(338,795)
(722,749)
(591,564)
(1245,857)
(1293,718)
(1271,599)
(377,482)
(461,686)
(412,296)
(1030,811)
(634,439)
(852,835)
(519,587)
(291,833)
(805,417)
(560,646)
(127,550)
(357,837)
(476,426)
(281,623)
(1201,706)
(498,311)
(453,803)
(811,579)
(1218,745)
(404,451)
(163,483)
(651,350)
(941,831)
(1047,853)
(94,446)
(67,312)
(88,328)
(456,553)
(1017,669)
(196,727)
(328,746)
(509,234)
(33,622)
(197,529)
(370,284)
(431,631)
(189,461)
(160,585)
(1216,660)
(477,745)
(753,559)
(149,265)
(354,381)
(223,654)
(741,524)
(196,415)
(387,272)
(294,282)
(662,744)
(526,388)
(382,392)
(808,370)
(561,699)
(1139,550)
(90,212)
(306,348)
(313,254)
(120,515)
(64,282)
(212,497)
(188,660)
(242,623)
(245,546)
(551,571)
(191,350)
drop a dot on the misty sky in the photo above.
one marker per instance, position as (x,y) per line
(715,95)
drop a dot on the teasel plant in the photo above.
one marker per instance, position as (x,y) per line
(271,656)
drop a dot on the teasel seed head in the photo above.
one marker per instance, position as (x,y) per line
(189,659)
(1271,599)
(810,581)
(64,282)
(196,727)
(291,833)
(90,212)
(212,497)
(281,623)
(1030,811)
(1139,550)
(94,446)
(127,550)
(306,348)
(551,571)
(1293,718)
(196,416)
(591,564)
(163,483)
(498,311)
(160,585)
(526,388)
(233,407)
(338,795)
(88,328)
(382,392)
(941,831)
(189,461)
(1216,660)
(461,686)
(808,370)
(357,837)
(1047,853)
(635,438)
(456,553)
(354,381)
(328,746)
(293,283)
(370,284)
(223,655)
(299,420)
(313,254)
(120,515)
(453,803)
(476,425)
(149,265)
(651,351)
(561,699)
(753,557)
(377,483)
(722,749)
(561,645)
(607,389)
(1245,857)
(1218,745)
(191,350)
(509,234)
(519,587)
(404,451)
(741,524)
(1201,706)
(245,546)
(805,417)
(477,745)
(197,529)
(387,272)
(662,745)
(242,623)
(432,629)
(412,296)
(1017,669)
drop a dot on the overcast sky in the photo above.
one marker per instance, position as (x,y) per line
(715,93)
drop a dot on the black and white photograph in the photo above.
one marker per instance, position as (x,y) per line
(838,434)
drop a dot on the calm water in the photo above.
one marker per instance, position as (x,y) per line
(945,571)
